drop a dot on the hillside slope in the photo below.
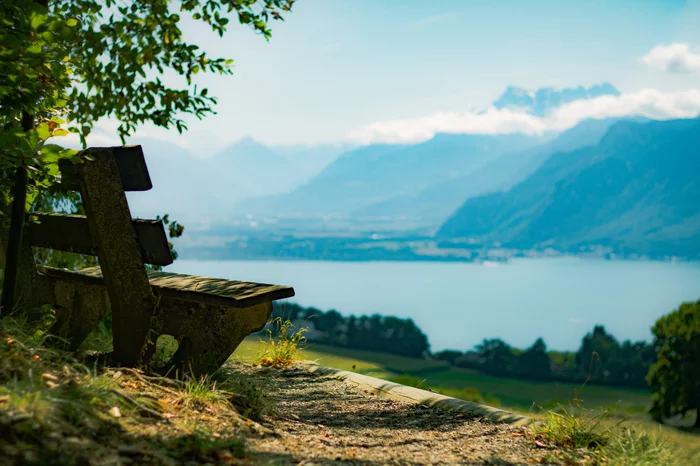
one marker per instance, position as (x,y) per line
(436,202)
(635,191)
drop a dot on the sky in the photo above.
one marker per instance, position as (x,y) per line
(368,71)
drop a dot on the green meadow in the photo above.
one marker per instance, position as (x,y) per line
(518,395)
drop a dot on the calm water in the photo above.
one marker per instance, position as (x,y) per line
(458,305)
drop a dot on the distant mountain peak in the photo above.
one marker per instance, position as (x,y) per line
(542,101)
(246,142)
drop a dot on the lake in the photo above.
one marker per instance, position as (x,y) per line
(459,304)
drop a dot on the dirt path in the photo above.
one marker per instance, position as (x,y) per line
(321,420)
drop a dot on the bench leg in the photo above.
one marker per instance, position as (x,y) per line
(80,309)
(79,306)
(208,335)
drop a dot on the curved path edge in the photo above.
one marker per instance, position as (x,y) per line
(394,391)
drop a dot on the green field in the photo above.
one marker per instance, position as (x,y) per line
(518,395)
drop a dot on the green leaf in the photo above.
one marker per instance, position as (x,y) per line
(34,49)
(60,132)
(50,153)
(43,131)
(38,20)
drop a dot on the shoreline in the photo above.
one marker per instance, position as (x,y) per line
(433,259)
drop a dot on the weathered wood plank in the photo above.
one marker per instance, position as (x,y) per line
(228,293)
(131,164)
(213,291)
(72,233)
(62,232)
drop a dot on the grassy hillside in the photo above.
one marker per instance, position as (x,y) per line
(513,394)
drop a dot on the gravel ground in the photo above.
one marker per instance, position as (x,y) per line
(320,420)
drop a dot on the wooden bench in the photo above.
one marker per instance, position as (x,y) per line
(209,317)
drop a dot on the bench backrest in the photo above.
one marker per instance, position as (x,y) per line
(71,233)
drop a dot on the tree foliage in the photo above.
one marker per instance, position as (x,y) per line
(596,350)
(384,334)
(675,376)
(64,64)
(600,359)
(534,363)
(496,357)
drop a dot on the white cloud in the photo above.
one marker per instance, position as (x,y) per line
(650,103)
(492,121)
(674,58)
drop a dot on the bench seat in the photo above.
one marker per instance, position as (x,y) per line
(208,316)
(212,291)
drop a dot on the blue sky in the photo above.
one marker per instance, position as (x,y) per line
(335,67)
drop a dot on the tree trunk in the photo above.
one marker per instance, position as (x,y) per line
(14,242)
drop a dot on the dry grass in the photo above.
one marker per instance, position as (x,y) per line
(55,409)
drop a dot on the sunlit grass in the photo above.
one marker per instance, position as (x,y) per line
(46,394)
(284,346)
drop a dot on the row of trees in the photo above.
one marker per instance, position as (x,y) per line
(600,359)
(374,333)
(670,365)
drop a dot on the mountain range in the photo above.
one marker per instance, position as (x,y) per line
(625,184)
(375,174)
(424,183)
(436,202)
(636,191)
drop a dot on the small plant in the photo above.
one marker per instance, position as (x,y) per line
(572,427)
(282,348)
(587,437)
(200,392)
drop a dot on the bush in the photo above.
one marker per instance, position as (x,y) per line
(675,376)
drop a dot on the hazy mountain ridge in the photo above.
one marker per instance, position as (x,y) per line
(377,173)
(438,201)
(636,190)
(416,183)
(198,189)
